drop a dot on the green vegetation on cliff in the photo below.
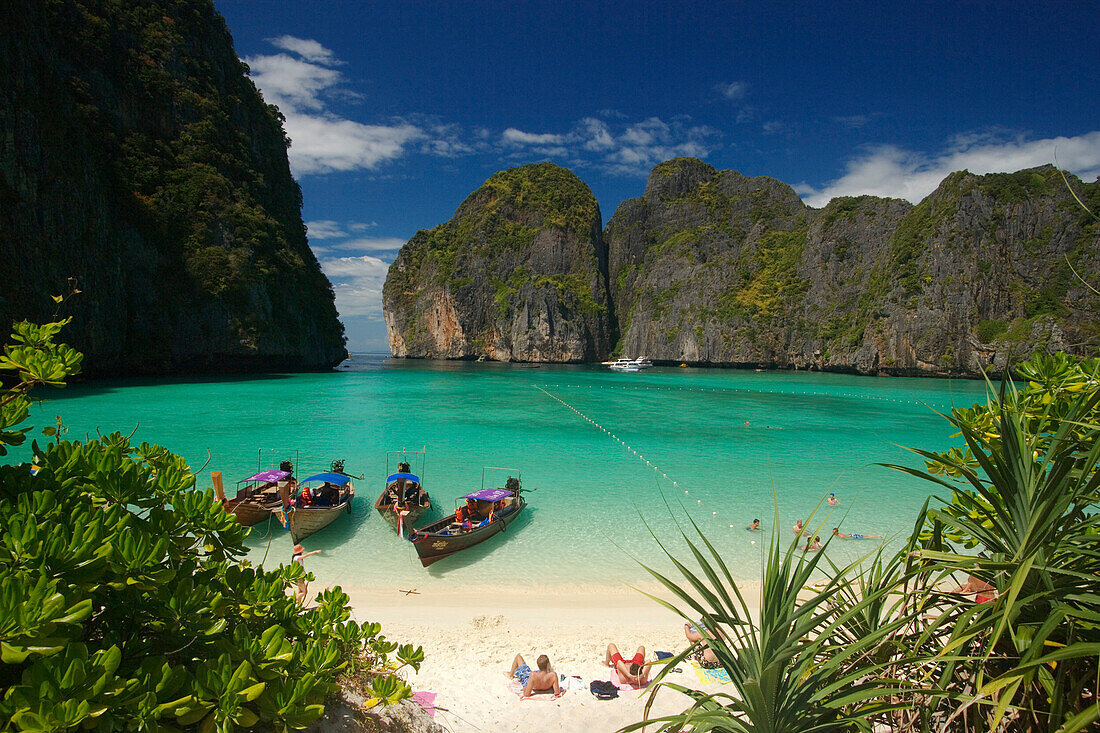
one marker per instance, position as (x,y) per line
(516,271)
(146,164)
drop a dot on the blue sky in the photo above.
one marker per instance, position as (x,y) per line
(398,110)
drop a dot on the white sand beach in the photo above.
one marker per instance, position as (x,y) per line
(470,637)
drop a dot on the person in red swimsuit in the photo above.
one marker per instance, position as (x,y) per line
(632,671)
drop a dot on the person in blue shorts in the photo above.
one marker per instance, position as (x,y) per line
(544,680)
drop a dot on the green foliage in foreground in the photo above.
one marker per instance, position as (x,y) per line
(894,640)
(125,603)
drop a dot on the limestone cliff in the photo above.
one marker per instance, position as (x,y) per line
(137,157)
(515,275)
(711,267)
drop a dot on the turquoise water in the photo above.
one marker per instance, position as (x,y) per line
(730,440)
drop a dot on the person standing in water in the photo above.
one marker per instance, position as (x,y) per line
(302,586)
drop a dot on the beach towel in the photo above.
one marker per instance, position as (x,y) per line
(426,700)
(708,676)
(620,684)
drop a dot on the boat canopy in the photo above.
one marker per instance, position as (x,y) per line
(267,476)
(337,479)
(406,476)
(488,494)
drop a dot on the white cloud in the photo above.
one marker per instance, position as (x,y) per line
(357,282)
(853,122)
(329,229)
(307,48)
(512,136)
(327,143)
(292,83)
(325,229)
(620,148)
(775,127)
(371,244)
(303,85)
(890,171)
(732,90)
(599,137)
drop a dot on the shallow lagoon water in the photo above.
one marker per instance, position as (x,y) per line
(722,447)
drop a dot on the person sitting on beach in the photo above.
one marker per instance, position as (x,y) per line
(813,544)
(633,671)
(544,680)
(703,654)
(841,535)
(755,526)
(983,592)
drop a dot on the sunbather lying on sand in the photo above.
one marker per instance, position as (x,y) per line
(632,671)
(703,654)
(544,680)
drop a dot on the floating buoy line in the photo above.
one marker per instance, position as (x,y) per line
(739,390)
(629,449)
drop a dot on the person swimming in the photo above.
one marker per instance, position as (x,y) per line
(755,526)
(832,500)
(841,535)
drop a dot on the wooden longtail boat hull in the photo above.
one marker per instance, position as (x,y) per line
(435,546)
(387,512)
(249,512)
(307,520)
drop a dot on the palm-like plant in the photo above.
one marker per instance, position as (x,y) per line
(1024,522)
(794,667)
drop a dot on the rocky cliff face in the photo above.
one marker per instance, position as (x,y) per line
(516,275)
(713,267)
(137,157)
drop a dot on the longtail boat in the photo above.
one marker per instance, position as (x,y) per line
(315,508)
(486,512)
(257,497)
(403,501)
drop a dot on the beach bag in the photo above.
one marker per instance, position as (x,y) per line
(604,690)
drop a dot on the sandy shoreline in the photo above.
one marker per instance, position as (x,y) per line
(471,635)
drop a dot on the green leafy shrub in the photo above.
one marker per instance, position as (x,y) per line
(125,601)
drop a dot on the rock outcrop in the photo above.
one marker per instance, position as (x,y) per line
(137,157)
(711,267)
(714,268)
(516,275)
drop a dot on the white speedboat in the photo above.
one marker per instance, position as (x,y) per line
(629,365)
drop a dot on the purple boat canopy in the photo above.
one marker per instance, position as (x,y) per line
(488,494)
(267,476)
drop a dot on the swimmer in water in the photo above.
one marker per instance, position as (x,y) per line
(841,535)
(813,545)
(832,500)
(755,526)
